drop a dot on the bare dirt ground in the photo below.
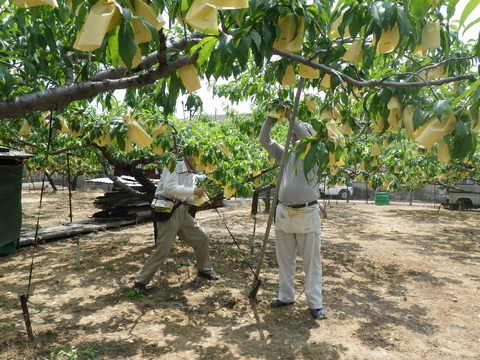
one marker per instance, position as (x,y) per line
(400,282)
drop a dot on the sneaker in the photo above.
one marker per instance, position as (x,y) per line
(279,303)
(318,314)
(208,274)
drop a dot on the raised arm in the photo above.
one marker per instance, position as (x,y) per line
(274,149)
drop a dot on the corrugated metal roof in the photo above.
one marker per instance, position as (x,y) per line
(6,153)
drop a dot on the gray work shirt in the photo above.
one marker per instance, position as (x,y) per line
(294,188)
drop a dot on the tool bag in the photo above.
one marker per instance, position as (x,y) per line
(162,209)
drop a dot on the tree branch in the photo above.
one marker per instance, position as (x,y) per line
(373,82)
(147,62)
(130,169)
(62,96)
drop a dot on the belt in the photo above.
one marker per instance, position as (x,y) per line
(302,205)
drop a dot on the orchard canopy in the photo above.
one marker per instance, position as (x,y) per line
(390,88)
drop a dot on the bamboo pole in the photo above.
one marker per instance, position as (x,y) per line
(26,316)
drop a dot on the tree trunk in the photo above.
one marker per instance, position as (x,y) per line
(267,202)
(74,182)
(50,180)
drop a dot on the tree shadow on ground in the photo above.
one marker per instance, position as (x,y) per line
(355,288)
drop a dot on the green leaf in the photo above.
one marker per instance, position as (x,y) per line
(257,39)
(206,51)
(206,46)
(377,10)
(184,6)
(126,43)
(419,8)
(441,107)
(113,54)
(467,92)
(150,27)
(451,7)
(462,142)
(405,26)
(470,25)
(468,10)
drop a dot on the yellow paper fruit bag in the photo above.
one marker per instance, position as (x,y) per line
(407,118)
(308,72)
(437,72)
(354,52)
(292,30)
(136,133)
(288,78)
(393,103)
(32,3)
(394,120)
(334,33)
(435,130)
(346,129)
(379,124)
(228,191)
(431,35)
(189,76)
(230,4)
(159,129)
(141,33)
(103,140)
(311,104)
(25,128)
(443,154)
(158,149)
(102,17)
(326,82)
(388,40)
(203,16)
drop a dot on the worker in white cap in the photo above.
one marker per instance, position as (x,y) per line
(297,222)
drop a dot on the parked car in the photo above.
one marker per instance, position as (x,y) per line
(462,196)
(341,191)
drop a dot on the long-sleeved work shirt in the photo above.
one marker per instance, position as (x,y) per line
(294,188)
(177,185)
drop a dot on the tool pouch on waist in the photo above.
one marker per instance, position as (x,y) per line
(162,210)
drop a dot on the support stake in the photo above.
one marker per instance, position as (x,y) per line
(26,316)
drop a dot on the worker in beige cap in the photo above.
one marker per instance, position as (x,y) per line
(297,222)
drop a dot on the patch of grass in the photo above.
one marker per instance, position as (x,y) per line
(131,294)
(73,353)
(184,262)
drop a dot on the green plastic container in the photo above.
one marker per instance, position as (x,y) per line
(10,207)
(382,198)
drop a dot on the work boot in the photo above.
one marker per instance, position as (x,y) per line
(318,314)
(208,274)
(140,288)
(279,303)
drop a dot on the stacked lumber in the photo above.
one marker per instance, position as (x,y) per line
(119,204)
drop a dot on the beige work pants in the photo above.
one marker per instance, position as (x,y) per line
(188,230)
(307,245)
